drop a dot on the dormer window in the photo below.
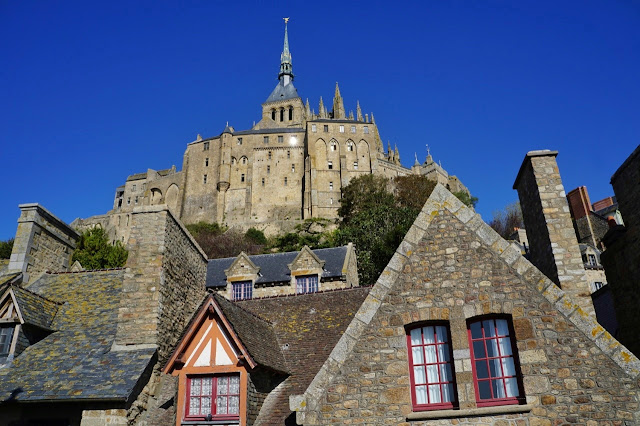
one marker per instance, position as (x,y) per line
(242,290)
(6,336)
(307,284)
(213,397)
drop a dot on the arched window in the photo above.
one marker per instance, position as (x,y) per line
(281,114)
(496,375)
(244,160)
(273,114)
(431,367)
(349,145)
(290,113)
(334,146)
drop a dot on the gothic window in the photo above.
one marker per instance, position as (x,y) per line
(273,114)
(242,290)
(306,284)
(280,139)
(366,129)
(233,160)
(215,397)
(349,146)
(290,113)
(431,367)
(341,128)
(314,128)
(494,362)
(244,160)
(205,146)
(266,139)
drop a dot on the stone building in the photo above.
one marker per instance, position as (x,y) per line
(621,258)
(277,274)
(291,165)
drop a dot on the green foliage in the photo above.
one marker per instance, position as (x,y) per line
(466,198)
(204,228)
(5,248)
(311,232)
(95,252)
(256,236)
(376,220)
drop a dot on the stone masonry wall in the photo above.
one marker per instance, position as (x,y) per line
(42,243)
(451,275)
(552,240)
(621,259)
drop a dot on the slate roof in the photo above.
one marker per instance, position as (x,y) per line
(256,334)
(76,363)
(307,327)
(282,92)
(35,309)
(273,267)
(4,268)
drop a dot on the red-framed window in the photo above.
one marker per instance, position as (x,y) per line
(433,384)
(307,284)
(242,290)
(494,360)
(216,397)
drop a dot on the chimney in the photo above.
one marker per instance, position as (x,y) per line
(579,202)
(552,239)
(42,243)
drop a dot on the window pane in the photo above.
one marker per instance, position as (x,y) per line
(476,330)
(478,349)
(418,375)
(484,389)
(434,394)
(221,405)
(445,373)
(492,347)
(494,367)
(432,373)
(206,385)
(443,353)
(234,405)
(206,405)
(498,388)
(194,406)
(481,370)
(430,352)
(505,346)
(418,357)
(428,335)
(489,329)
(503,328)
(508,366)
(234,385)
(421,394)
(512,387)
(441,334)
(196,386)
(447,393)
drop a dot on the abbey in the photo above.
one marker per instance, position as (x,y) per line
(290,166)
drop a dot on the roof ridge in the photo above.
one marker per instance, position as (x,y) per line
(331,290)
(86,270)
(280,252)
(234,303)
(36,294)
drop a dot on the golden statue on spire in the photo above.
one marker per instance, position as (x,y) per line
(286,20)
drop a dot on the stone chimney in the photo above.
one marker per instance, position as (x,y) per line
(164,282)
(42,243)
(552,239)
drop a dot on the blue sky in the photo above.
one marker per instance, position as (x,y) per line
(91,92)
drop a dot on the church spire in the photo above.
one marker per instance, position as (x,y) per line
(286,72)
(338,105)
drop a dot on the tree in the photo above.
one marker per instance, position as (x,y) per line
(95,252)
(362,193)
(505,221)
(5,248)
(412,191)
(468,199)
